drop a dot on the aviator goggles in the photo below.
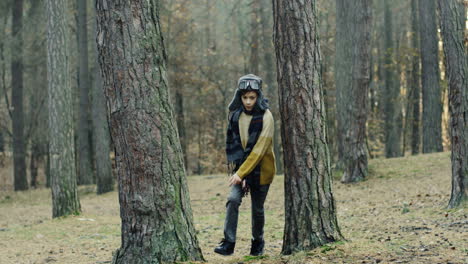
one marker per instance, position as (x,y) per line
(249,84)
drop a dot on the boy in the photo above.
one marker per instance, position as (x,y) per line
(250,157)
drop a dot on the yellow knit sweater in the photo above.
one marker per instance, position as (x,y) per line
(263,150)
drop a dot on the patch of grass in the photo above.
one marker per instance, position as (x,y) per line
(251,258)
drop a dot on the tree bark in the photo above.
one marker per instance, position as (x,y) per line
(156,215)
(415,80)
(392,109)
(84,149)
(452,23)
(269,66)
(61,149)
(19,159)
(353,33)
(101,135)
(309,203)
(432,105)
(254,36)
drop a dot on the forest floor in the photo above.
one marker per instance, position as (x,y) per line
(398,215)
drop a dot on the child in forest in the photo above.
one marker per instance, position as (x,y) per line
(251,160)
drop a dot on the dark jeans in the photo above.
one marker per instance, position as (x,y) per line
(258,195)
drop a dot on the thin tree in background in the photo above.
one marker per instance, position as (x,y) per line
(392,109)
(101,135)
(453,21)
(85,172)
(36,69)
(254,59)
(353,33)
(309,204)
(432,105)
(269,76)
(61,147)
(155,209)
(415,80)
(19,148)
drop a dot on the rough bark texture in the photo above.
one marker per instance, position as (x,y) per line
(432,105)
(19,159)
(309,203)
(353,32)
(154,202)
(392,110)
(84,149)
(61,147)
(415,80)
(452,20)
(101,135)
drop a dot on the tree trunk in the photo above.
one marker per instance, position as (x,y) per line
(61,147)
(415,79)
(36,58)
(392,91)
(19,159)
(353,32)
(84,150)
(453,21)
(309,203)
(155,209)
(101,135)
(179,110)
(254,36)
(269,69)
(432,105)
(33,163)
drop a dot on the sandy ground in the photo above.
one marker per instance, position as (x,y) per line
(398,215)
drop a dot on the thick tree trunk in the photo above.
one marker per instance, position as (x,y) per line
(392,110)
(353,32)
(101,135)
(415,80)
(309,203)
(155,207)
(432,105)
(84,149)
(19,155)
(453,21)
(61,149)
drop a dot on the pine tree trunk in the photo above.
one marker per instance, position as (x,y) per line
(353,32)
(61,149)
(415,80)
(101,135)
(453,21)
(19,158)
(84,150)
(269,66)
(156,215)
(37,60)
(310,206)
(254,36)
(432,105)
(392,91)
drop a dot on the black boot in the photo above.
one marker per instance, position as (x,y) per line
(257,247)
(225,248)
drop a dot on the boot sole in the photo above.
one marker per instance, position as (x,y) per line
(223,253)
